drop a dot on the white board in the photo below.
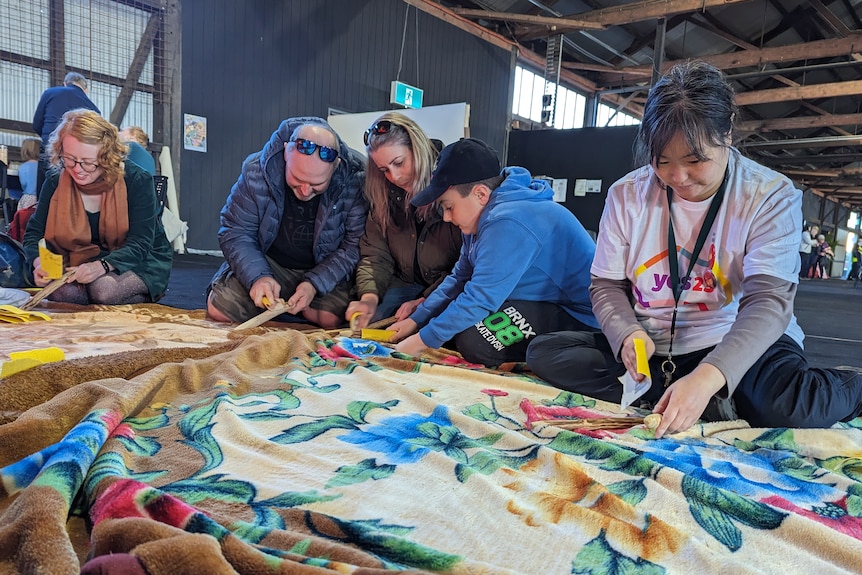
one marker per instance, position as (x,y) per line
(448,123)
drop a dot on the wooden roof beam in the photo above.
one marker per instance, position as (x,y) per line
(557,25)
(831,48)
(464,24)
(800,123)
(629,13)
(815,91)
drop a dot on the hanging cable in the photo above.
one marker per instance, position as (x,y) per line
(403,38)
(416,13)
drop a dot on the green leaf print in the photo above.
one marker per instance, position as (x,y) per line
(481,412)
(632,491)
(605,455)
(854,500)
(401,551)
(357,410)
(598,558)
(148,423)
(140,445)
(291,499)
(850,467)
(365,470)
(196,426)
(111,464)
(798,468)
(308,431)
(570,399)
(778,438)
(195,490)
(715,509)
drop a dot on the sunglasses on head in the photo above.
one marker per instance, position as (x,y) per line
(381,127)
(307,147)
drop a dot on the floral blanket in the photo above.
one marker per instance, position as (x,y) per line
(296,453)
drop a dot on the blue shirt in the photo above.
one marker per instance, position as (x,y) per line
(27,176)
(54,103)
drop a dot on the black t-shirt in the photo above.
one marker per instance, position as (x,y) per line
(293,246)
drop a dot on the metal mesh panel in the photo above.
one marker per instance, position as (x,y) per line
(116,45)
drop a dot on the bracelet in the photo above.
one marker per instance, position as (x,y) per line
(105,265)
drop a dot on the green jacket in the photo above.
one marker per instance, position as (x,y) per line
(146,250)
(437,249)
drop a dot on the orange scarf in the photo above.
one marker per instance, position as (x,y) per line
(68,229)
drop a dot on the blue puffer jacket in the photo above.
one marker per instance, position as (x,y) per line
(251,216)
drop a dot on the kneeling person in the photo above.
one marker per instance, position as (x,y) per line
(524,264)
(291,227)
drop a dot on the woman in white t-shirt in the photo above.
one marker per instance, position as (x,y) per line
(723,341)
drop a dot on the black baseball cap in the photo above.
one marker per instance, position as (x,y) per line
(467,160)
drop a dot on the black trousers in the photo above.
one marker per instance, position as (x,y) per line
(779,390)
(504,335)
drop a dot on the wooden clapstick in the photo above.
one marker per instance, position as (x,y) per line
(278,308)
(47,290)
(593,423)
(651,421)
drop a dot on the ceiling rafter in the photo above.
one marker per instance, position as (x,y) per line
(798,76)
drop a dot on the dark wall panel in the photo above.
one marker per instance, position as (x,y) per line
(248,65)
(604,154)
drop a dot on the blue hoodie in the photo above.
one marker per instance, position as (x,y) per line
(527,247)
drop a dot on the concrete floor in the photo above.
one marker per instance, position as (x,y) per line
(830,314)
(829,311)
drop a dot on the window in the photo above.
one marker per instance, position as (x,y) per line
(25,29)
(570,105)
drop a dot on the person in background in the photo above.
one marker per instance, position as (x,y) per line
(26,208)
(138,140)
(53,103)
(808,243)
(856,261)
(406,251)
(27,171)
(695,257)
(291,227)
(523,268)
(823,262)
(100,214)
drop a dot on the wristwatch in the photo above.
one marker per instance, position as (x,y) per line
(105,265)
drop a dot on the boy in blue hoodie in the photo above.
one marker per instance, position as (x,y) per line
(524,267)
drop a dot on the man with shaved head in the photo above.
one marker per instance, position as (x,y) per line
(291,227)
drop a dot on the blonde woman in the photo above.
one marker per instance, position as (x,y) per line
(406,251)
(100,213)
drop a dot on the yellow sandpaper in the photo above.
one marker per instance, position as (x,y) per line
(23,360)
(12,314)
(51,263)
(43,355)
(640,354)
(14,366)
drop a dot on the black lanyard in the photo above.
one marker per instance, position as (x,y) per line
(677,282)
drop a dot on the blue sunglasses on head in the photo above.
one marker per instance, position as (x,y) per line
(307,147)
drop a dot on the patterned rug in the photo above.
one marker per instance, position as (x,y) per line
(292,453)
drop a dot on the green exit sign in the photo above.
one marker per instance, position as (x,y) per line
(405,95)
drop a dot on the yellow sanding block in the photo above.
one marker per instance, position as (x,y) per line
(383,335)
(21,360)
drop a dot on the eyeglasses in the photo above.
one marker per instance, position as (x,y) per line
(88,167)
(307,147)
(381,127)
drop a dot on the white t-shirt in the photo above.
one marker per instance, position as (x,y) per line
(756,232)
